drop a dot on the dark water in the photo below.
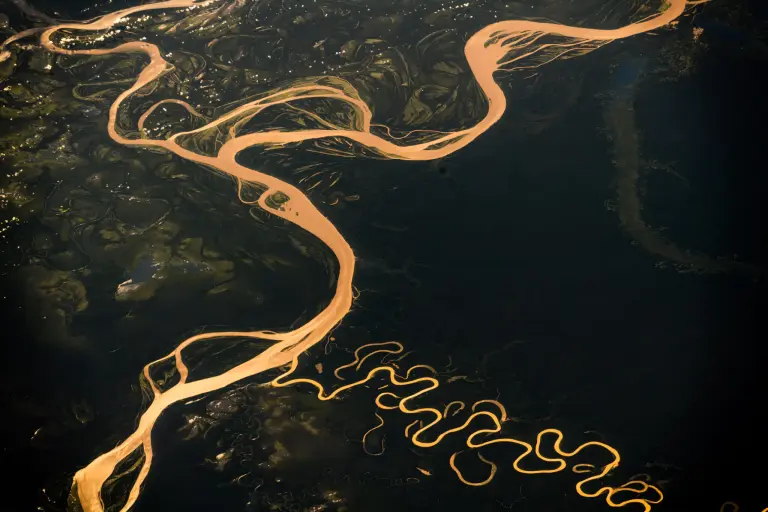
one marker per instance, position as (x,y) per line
(529,287)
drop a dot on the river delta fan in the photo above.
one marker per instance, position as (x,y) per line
(501,46)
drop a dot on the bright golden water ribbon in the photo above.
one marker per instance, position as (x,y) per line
(486,52)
